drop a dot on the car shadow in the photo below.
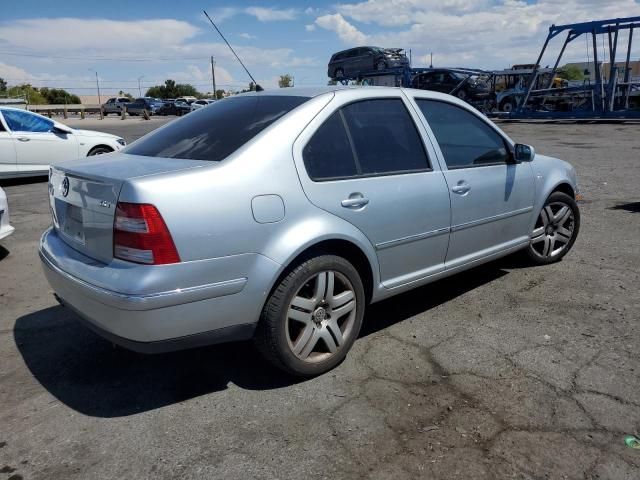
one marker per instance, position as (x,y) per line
(93,377)
(633,207)
(4,253)
(11,182)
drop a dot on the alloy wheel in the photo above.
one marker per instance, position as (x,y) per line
(321,316)
(553,231)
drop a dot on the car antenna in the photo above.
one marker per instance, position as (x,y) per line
(258,87)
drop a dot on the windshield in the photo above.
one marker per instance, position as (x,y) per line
(215,132)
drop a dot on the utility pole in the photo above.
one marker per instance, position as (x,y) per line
(213,77)
(431,62)
(97,85)
(139,88)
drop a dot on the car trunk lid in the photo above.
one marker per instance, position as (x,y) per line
(83,195)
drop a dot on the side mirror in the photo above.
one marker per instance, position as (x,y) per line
(524,153)
(61,129)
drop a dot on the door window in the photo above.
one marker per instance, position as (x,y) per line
(367,138)
(384,137)
(20,121)
(465,140)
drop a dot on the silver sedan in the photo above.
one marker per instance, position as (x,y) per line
(281,215)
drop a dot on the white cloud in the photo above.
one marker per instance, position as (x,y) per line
(471,33)
(271,14)
(81,35)
(345,31)
(310,28)
(247,36)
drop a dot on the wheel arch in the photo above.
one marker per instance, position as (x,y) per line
(564,187)
(100,145)
(341,247)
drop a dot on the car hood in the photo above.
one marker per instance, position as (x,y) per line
(93,133)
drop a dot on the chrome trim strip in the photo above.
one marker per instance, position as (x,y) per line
(148,301)
(482,221)
(412,238)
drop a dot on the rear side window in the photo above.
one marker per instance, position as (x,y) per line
(465,140)
(215,132)
(367,138)
(328,155)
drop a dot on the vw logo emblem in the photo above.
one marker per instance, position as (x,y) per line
(65,187)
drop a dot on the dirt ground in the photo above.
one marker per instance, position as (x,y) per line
(501,372)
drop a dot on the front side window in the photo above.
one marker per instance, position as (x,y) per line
(20,121)
(465,140)
(366,138)
(216,132)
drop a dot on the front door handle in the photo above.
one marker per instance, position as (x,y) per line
(24,139)
(355,200)
(461,188)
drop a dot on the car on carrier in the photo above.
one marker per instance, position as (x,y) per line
(180,240)
(352,62)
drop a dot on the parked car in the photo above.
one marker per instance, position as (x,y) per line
(29,143)
(350,63)
(115,105)
(378,191)
(446,81)
(186,99)
(139,105)
(198,104)
(5,227)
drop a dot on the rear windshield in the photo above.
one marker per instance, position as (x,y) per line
(215,132)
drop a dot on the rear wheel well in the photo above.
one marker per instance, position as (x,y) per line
(565,188)
(341,248)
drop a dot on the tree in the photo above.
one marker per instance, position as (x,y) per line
(58,96)
(285,81)
(30,93)
(219,94)
(571,72)
(122,94)
(3,85)
(171,89)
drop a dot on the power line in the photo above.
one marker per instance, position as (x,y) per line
(106,59)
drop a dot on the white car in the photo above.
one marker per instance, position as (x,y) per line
(198,104)
(5,228)
(30,143)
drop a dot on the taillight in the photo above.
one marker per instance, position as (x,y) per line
(141,236)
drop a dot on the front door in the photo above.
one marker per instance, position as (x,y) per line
(37,145)
(491,195)
(365,162)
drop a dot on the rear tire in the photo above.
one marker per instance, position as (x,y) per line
(312,317)
(555,231)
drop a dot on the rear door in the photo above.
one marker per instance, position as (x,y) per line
(363,160)
(491,195)
(7,150)
(37,145)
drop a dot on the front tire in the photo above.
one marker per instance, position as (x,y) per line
(555,231)
(99,151)
(313,316)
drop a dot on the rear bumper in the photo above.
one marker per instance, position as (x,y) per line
(162,319)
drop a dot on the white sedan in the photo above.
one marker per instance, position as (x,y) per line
(5,228)
(198,104)
(29,143)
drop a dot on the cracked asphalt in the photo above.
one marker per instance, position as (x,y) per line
(504,371)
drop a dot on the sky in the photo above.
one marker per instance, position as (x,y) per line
(63,44)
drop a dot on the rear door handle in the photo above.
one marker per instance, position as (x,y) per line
(461,188)
(355,200)
(24,139)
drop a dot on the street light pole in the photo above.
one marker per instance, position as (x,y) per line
(139,88)
(213,77)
